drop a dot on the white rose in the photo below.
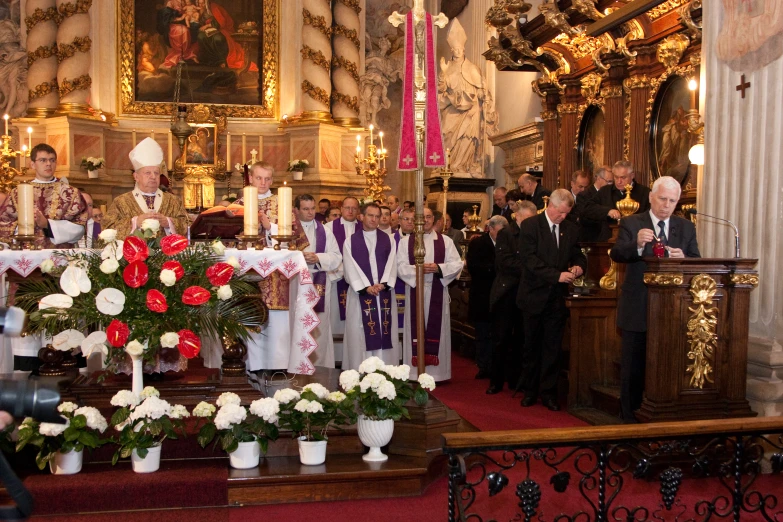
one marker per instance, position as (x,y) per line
(169,340)
(47,266)
(218,247)
(108,235)
(153,225)
(134,348)
(233,261)
(178,411)
(349,379)
(318,389)
(228,398)
(124,399)
(109,266)
(427,381)
(224,292)
(204,410)
(266,408)
(168,277)
(95,420)
(149,391)
(336,396)
(67,407)
(48,429)
(286,395)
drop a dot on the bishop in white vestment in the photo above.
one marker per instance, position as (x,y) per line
(370,267)
(322,255)
(442,265)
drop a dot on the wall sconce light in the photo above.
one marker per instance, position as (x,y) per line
(695,126)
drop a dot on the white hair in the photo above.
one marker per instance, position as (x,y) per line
(498,222)
(667,182)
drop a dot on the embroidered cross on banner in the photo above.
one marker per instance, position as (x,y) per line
(407,160)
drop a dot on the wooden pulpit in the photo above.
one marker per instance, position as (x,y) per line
(697,338)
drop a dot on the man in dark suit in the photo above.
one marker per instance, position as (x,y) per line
(499,206)
(591,230)
(481,266)
(635,241)
(508,335)
(580,181)
(532,189)
(602,209)
(551,260)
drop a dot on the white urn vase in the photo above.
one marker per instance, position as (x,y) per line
(312,452)
(149,463)
(246,456)
(375,434)
(66,463)
(92,174)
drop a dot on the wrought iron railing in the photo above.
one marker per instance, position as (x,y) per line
(680,471)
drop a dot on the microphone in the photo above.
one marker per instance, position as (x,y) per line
(694,212)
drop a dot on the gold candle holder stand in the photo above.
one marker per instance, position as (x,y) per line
(250,241)
(20,242)
(283,242)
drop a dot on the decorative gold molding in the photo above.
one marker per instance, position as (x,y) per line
(745,279)
(683,70)
(591,86)
(318,22)
(609,280)
(39,15)
(127,60)
(353,4)
(663,279)
(627,125)
(612,91)
(201,115)
(69,9)
(82,83)
(315,93)
(662,9)
(671,49)
(351,101)
(41,53)
(701,330)
(587,8)
(317,57)
(518,43)
(582,45)
(567,108)
(338,62)
(548,115)
(556,19)
(351,34)
(686,17)
(636,82)
(79,44)
(42,89)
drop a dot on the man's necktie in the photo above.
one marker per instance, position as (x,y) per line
(554,236)
(662,233)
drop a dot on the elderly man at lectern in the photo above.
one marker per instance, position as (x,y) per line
(146,201)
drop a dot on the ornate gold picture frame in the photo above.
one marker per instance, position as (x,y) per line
(146,71)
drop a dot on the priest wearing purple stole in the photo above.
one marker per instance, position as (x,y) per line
(342,228)
(369,262)
(322,255)
(406,228)
(442,265)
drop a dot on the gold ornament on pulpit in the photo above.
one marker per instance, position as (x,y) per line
(445,174)
(627,206)
(7,155)
(473,222)
(546,204)
(372,167)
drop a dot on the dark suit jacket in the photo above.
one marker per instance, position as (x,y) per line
(508,264)
(543,262)
(597,208)
(632,306)
(538,196)
(589,230)
(481,266)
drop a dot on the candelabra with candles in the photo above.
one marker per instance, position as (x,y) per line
(372,167)
(445,174)
(8,155)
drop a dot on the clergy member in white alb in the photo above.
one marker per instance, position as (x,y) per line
(342,228)
(442,265)
(322,255)
(369,262)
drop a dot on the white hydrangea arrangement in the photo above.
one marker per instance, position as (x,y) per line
(310,413)
(81,428)
(91,163)
(145,421)
(298,164)
(381,390)
(230,423)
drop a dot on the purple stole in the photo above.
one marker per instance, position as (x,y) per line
(399,290)
(319,279)
(342,287)
(380,338)
(434,314)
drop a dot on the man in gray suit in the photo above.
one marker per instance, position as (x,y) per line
(638,234)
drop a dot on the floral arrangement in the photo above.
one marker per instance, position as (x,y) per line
(144,421)
(311,412)
(382,390)
(91,163)
(141,295)
(80,430)
(232,423)
(298,164)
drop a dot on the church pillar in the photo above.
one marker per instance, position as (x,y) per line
(316,60)
(740,181)
(569,161)
(41,16)
(614,109)
(73,54)
(345,76)
(551,138)
(637,86)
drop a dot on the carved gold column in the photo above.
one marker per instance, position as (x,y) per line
(569,161)
(614,108)
(345,63)
(637,87)
(316,60)
(41,22)
(73,55)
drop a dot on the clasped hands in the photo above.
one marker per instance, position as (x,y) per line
(310,257)
(645,235)
(571,274)
(374,290)
(157,216)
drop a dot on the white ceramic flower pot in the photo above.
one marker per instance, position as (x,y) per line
(138,376)
(66,463)
(147,464)
(375,434)
(92,174)
(297,175)
(246,456)
(312,452)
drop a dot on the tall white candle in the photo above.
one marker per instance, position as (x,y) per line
(228,151)
(250,195)
(371,128)
(284,212)
(244,147)
(5,117)
(29,138)
(26,219)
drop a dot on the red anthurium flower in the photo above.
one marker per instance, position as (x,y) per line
(195,295)
(117,333)
(135,249)
(136,274)
(156,301)
(173,244)
(174,266)
(220,274)
(189,344)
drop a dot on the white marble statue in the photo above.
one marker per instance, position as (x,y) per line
(13,70)
(380,70)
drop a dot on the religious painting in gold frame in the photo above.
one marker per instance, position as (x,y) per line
(230,49)
(590,146)
(201,161)
(670,140)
